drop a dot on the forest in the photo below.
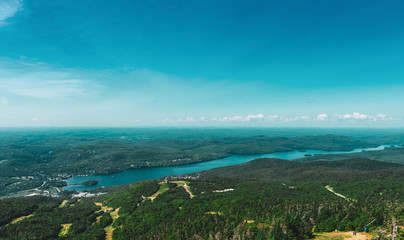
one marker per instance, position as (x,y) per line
(44,159)
(222,206)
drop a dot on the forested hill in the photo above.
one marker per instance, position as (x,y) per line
(103,155)
(44,157)
(262,199)
(213,208)
(334,171)
(389,154)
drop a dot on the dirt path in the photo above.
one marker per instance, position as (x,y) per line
(343,235)
(63,203)
(163,188)
(20,219)
(329,188)
(103,208)
(114,215)
(109,229)
(214,213)
(185,186)
(65,229)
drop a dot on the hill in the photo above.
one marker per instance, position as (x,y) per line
(323,171)
(29,162)
(389,154)
(262,199)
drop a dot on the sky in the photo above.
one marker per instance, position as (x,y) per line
(315,63)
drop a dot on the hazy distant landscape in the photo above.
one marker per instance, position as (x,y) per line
(279,197)
(48,157)
(201,120)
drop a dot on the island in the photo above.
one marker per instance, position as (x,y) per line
(90,183)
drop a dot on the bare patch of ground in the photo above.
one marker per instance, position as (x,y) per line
(65,229)
(184,184)
(343,236)
(20,219)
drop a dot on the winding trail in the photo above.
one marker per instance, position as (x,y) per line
(65,229)
(114,215)
(329,188)
(185,186)
(163,188)
(20,219)
(64,202)
(109,229)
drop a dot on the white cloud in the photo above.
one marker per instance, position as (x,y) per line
(297,118)
(238,118)
(277,119)
(272,117)
(381,116)
(189,119)
(322,117)
(361,116)
(8,8)
(230,119)
(355,115)
(27,79)
(255,117)
(50,89)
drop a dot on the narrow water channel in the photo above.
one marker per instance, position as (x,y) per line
(133,175)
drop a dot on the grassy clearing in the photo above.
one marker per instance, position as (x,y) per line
(97,219)
(163,188)
(263,225)
(184,184)
(342,236)
(65,229)
(63,203)
(248,221)
(103,208)
(20,219)
(109,229)
(108,232)
(214,213)
(114,215)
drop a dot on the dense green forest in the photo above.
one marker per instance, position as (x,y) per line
(261,199)
(45,160)
(389,154)
(246,201)
(346,170)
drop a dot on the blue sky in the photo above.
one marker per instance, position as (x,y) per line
(202,63)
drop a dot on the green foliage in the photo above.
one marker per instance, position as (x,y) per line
(347,170)
(259,209)
(389,154)
(271,198)
(12,209)
(45,156)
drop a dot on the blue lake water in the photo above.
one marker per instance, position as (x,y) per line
(133,175)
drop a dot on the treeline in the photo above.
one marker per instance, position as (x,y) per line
(259,209)
(46,222)
(254,210)
(45,157)
(22,206)
(83,215)
(347,170)
(389,154)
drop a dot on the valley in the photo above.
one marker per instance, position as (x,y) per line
(265,198)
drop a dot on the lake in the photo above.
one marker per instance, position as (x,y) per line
(134,175)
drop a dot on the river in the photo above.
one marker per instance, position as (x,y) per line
(134,175)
